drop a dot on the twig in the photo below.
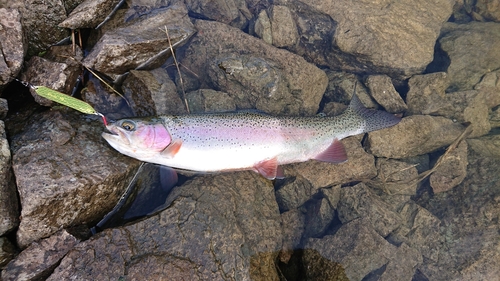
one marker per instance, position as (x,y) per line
(178,71)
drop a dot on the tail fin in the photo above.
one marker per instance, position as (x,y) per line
(374,119)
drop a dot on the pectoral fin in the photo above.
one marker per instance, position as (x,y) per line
(269,169)
(171,150)
(335,153)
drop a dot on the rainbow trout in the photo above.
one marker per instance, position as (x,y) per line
(242,141)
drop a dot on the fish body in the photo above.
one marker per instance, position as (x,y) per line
(242,141)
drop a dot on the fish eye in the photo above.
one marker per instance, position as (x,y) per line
(128,125)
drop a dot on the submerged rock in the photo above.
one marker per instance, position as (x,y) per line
(216,226)
(66,175)
(452,170)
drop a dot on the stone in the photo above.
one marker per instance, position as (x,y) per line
(356,247)
(262,27)
(231,12)
(40,23)
(414,135)
(472,49)
(487,146)
(7,251)
(488,10)
(403,264)
(426,92)
(78,176)
(89,14)
(293,193)
(141,44)
(359,202)
(332,194)
(382,90)
(395,177)
(382,42)
(341,89)
(215,226)
(490,85)
(39,259)
(319,216)
(283,29)
(13,47)
(9,207)
(452,171)
(319,268)
(262,77)
(152,92)
(360,165)
(293,223)
(208,100)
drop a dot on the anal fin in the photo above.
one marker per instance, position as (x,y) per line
(269,169)
(171,150)
(335,153)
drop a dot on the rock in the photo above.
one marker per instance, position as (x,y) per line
(487,146)
(293,223)
(9,209)
(58,76)
(426,93)
(332,194)
(452,170)
(320,268)
(39,259)
(294,192)
(78,176)
(403,264)
(359,202)
(263,27)
(472,49)
(142,43)
(356,247)
(263,77)
(232,12)
(382,90)
(7,251)
(283,29)
(319,216)
(488,10)
(395,177)
(208,100)
(89,14)
(360,165)
(216,226)
(13,47)
(414,135)
(421,162)
(341,89)
(152,93)
(382,42)
(40,20)
(490,85)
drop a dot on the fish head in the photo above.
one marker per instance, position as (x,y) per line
(138,138)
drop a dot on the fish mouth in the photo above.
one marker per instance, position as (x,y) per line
(114,135)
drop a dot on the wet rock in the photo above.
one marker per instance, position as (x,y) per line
(39,259)
(283,29)
(263,77)
(403,264)
(144,42)
(359,202)
(319,216)
(382,42)
(399,141)
(294,192)
(78,176)
(452,170)
(488,10)
(89,14)
(395,177)
(232,12)
(215,223)
(9,209)
(152,93)
(262,27)
(490,85)
(13,47)
(472,49)
(208,100)
(58,76)
(421,162)
(341,88)
(360,165)
(487,146)
(40,20)
(320,268)
(356,247)
(293,223)
(7,251)
(332,194)
(426,92)
(420,230)
(382,90)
